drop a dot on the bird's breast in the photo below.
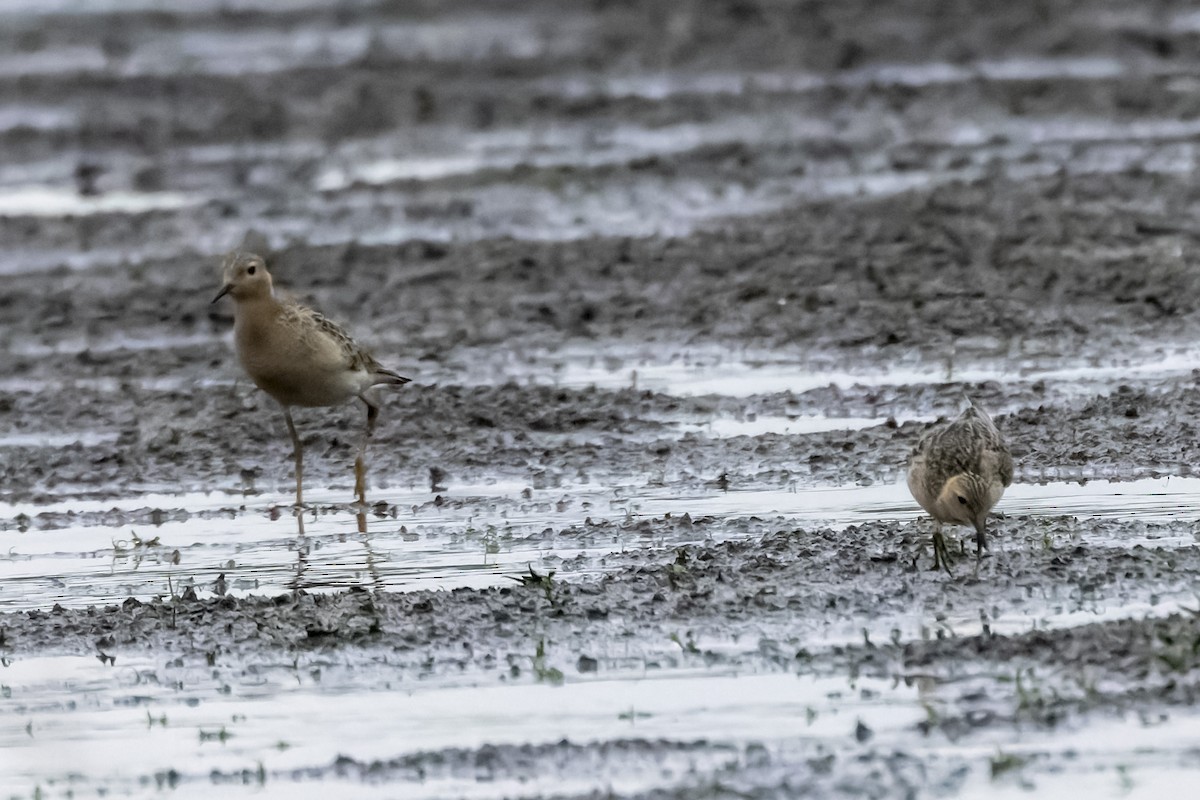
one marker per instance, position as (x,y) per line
(292,369)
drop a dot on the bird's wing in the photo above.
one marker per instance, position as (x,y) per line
(318,331)
(1005,465)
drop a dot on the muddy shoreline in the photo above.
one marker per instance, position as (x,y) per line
(679,286)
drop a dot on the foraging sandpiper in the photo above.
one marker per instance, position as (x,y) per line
(957,472)
(299,357)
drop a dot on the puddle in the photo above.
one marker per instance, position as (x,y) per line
(480,542)
(24,261)
(649,206)
(147,339)
(1149,500)
(728,428)
(584,206)
(151,717)
(661,86)
(563,145)
(277,729)
(701,373)
(57,438)
(264,48)
(40,118)
(191,8)
(110,385)
(45,201)
(479,539)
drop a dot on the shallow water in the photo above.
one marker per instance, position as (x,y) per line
(262,49)
(283,718)
(132,722)
(484,537)
(701,372)
(44,201)
(552,145)
(57,438)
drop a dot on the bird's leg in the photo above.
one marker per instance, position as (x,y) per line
(360,466)
(980,545)
(298,455)
(941,557)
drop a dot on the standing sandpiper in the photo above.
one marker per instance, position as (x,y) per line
(298,357)
(957,472)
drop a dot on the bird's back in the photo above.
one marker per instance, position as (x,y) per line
(968,444)
(299,357)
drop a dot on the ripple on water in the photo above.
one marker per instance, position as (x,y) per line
(480,536)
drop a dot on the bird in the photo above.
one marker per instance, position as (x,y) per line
(299,357)
(957,472)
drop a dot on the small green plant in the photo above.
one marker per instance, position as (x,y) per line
(223,735)
(1178,653)
(135,542)
(491,541)
(545,674)
(632,716)
(543,582)
(687,644)
(1005,762)
(678,573)
(1029,696)
(1124,780)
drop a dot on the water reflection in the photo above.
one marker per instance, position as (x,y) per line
(479,539)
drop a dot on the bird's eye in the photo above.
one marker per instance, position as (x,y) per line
(251,270)
(962,499)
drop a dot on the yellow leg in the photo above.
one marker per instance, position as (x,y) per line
(360,464)
(941,556)
(298,455)
(980,545)
(360,480)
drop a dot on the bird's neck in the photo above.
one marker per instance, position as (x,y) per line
(253,315)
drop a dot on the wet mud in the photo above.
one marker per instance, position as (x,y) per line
(678,286)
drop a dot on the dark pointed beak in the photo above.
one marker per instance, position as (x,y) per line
(224,291)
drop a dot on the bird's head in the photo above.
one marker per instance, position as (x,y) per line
(244,276)
(965,499)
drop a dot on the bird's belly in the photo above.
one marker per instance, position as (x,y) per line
(302,384)
(296,373)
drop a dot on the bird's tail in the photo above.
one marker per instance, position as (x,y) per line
(385,377)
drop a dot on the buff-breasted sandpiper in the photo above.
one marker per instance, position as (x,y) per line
(299,357)
(957,472)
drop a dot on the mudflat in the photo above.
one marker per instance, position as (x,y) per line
(679,286)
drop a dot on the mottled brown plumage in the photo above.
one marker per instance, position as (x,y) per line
(298,356)
(957,473)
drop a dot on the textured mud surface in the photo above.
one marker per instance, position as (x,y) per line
(679,285)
